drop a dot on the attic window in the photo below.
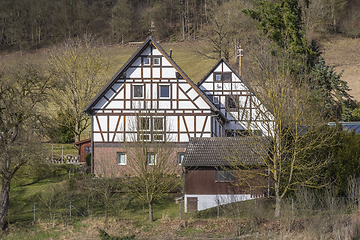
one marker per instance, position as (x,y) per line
(138,91)
(146,61)
(156,61)
(224,176)
(164,91)
(225,76)
(217,76)
(216,99)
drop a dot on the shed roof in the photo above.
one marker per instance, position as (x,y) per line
(87,140)
(224,151)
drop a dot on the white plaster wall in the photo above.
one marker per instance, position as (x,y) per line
(209,201)
(165,62)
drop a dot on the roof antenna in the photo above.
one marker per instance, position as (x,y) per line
(170,52)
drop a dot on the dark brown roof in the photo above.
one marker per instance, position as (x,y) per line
(225,151)
(82,141)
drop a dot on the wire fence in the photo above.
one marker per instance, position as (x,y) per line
(254,209)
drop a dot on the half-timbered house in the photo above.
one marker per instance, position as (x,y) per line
(235,100)
(222,170)
(149,99)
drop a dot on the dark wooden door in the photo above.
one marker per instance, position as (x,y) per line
(192,204)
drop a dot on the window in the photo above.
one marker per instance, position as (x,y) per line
(87,149)
(151,159)
(181,158)
(144,124)
(138,91)
(158,124)
(232,102)
(146,61)
(164,91)
(216,99)
(217,76)
(224,176)
(226,76)
(121,158)
(156,61)
(151,128)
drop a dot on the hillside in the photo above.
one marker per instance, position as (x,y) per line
(339,52)
(344,54)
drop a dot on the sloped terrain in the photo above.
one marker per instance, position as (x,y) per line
(344,54)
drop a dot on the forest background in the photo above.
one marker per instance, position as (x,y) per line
(49,41)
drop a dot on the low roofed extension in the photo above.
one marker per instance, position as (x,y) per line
(224,151)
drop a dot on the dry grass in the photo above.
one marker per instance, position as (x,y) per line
(344,54)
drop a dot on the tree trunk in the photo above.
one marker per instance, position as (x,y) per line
(277,200)
(151,218)
(4,202)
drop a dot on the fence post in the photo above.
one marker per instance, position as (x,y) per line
(62,153)
(218,209)
(34,212)
(70,210)
(255,205)
(292,208)
(180,209)
(143,210)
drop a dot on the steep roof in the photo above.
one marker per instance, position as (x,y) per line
(221,60)
(224,151)
(129,62)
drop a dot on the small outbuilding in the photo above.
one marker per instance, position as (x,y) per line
(84,147)
(222,170)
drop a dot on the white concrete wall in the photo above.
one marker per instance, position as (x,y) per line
(209,201)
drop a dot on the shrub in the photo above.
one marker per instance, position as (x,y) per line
(88,159)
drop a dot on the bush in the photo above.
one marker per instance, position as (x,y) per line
(88,159)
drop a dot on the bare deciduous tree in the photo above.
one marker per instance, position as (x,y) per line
(153,160)
(78,68)
(290,126)
(23,90)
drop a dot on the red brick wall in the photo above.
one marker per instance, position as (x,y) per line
(105,159)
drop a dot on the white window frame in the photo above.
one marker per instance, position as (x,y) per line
(146,64)
(160,86)
(156,64)
(142,92)
(150,161)
(181,156)
(118,158)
